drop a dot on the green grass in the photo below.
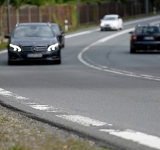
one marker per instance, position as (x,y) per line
(21,133)
(81,27)
(3,45)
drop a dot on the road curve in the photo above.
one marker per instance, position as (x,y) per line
(100,91)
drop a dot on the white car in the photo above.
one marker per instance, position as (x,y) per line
(111,22)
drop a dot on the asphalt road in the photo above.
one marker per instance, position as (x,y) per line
(100,90)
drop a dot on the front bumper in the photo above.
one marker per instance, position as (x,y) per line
(24,56)
(108,27)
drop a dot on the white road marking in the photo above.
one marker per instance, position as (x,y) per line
(138,137)
(5,93)
(83,120)
(3,51)
(42,107)
(120,72)
(21,97)
(81,33)
(97,29)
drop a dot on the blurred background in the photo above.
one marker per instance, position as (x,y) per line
(76,12)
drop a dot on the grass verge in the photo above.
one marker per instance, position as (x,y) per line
(3,45)
(18,132)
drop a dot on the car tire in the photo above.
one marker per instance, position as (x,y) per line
(59,61)
(10,62)
(132,50)
(63,45)
(101,29)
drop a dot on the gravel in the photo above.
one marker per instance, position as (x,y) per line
(18,132)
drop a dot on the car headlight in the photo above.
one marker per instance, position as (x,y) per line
(15,47)
(102,24)
(53,47)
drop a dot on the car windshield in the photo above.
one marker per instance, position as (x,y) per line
(56,29)
(33,31)
(110,18)
(147,30)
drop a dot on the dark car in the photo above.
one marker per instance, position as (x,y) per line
(59,32)
(33,42)
(145,37)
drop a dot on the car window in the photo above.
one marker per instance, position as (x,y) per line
(33,31)
(147,30)
(110,18)
(56,29)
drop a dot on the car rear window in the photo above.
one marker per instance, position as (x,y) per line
(33,31)
(147,30)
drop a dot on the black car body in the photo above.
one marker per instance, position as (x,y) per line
(145,37)
(33,42)
(59,33)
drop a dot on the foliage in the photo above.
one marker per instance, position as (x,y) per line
(38,2)
(17,3)
(3,45)
(2,2)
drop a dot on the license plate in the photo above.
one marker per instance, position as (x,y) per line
(148,38)
(34,55)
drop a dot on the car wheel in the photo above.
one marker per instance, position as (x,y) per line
(10,62)
(101,29)
(132,50)
(63,45)
(117,29)
(59,61)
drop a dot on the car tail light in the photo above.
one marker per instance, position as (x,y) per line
(134,38)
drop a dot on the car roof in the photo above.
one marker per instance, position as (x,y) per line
(33,23)
(148,25)
(112,15)
(54,23)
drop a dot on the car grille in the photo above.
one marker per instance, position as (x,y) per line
(107,25)
(30,48)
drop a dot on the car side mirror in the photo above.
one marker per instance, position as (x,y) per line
(62,32)
(7,36)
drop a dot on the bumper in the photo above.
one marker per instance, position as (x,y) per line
(108,28)
(23,56)
(146,46)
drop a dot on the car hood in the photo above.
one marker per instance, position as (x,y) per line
(109,21)
(34,41)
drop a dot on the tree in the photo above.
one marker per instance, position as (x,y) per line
(39,3)
(17,4)
(1,17)
(1,2)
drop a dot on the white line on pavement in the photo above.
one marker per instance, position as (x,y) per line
(97,29)
(115,71)
(138,137)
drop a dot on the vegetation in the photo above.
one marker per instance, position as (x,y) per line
(18,132)
(18,3)
(3,45)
